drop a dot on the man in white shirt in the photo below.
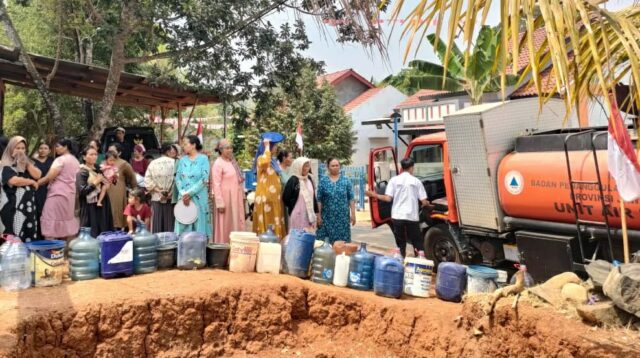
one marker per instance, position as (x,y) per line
(406,193)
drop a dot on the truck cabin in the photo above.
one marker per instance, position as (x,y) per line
(429,154)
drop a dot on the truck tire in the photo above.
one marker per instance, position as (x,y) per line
(440,246)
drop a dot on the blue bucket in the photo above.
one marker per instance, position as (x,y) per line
(481,279)
(47,262)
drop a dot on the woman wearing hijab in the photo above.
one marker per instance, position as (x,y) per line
(268,202)
(228,193)
(58,216)
(299,196)
(19,184)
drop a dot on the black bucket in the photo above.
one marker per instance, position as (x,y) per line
(167,256)
(218,255)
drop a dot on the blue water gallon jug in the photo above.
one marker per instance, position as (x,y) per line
(84,256)
(116,254)
(388,277)
(323,263)
(192,251)
(361,269)
(16,271)
(269,236)
(145,250)
(298,253)
(451,281)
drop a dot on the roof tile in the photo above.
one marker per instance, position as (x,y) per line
(415,98)
(361,99)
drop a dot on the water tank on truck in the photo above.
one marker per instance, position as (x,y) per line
(533,184)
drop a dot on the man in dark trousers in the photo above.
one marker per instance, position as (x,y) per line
(407,194)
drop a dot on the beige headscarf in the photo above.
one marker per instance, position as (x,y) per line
(296,169)
(7,157)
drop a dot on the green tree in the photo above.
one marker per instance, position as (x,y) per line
(327,130)
(479,76)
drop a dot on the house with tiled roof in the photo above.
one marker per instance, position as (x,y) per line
(422,112)
(363,101)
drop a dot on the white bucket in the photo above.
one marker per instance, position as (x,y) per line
(417,276)
(341,271)
(269,257)
(243,251)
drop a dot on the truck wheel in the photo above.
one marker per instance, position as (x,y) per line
(440,245)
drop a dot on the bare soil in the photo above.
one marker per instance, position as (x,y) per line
(216,313)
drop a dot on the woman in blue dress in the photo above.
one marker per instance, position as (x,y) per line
(192,180)
(336,205)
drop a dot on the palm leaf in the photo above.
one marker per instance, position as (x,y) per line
(586,42)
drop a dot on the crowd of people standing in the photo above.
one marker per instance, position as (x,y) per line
(47,197)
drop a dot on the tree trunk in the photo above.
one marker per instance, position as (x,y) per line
(14,37)
(87,104)
(115,70)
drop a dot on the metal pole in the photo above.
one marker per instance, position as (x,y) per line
(396,118)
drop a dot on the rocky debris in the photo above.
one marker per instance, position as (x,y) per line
(598,270)
(574,293)
(603,314)
(623,287)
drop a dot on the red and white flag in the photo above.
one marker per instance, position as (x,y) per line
(299,136)
(622,157)
(199,131)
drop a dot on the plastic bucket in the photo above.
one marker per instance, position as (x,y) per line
(217,255)
(243,252)
(167,256)
(47,262)
(481,279)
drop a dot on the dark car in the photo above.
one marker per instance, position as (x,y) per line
(133,135)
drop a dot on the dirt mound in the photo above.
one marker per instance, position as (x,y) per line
(215,313)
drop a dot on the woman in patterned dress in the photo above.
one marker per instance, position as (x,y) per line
(19,185)
(192,182)
(336,205)
(268,203)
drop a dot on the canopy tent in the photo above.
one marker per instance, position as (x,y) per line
(87,81)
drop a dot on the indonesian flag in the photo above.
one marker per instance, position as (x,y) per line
(622,157)
(299,136)
(199,131)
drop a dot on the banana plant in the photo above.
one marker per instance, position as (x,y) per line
(479,76)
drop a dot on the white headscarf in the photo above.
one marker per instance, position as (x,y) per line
(7,157)
(296,169)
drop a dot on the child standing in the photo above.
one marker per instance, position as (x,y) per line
(109,171)
(137,210)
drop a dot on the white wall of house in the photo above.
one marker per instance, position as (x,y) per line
(368,136)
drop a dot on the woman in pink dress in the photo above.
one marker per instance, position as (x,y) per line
(58,218)
(228,193)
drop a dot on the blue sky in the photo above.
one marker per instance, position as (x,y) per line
(371,63)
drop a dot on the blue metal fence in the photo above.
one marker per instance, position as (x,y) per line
(357,176)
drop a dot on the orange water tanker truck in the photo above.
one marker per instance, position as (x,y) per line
(508,185)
